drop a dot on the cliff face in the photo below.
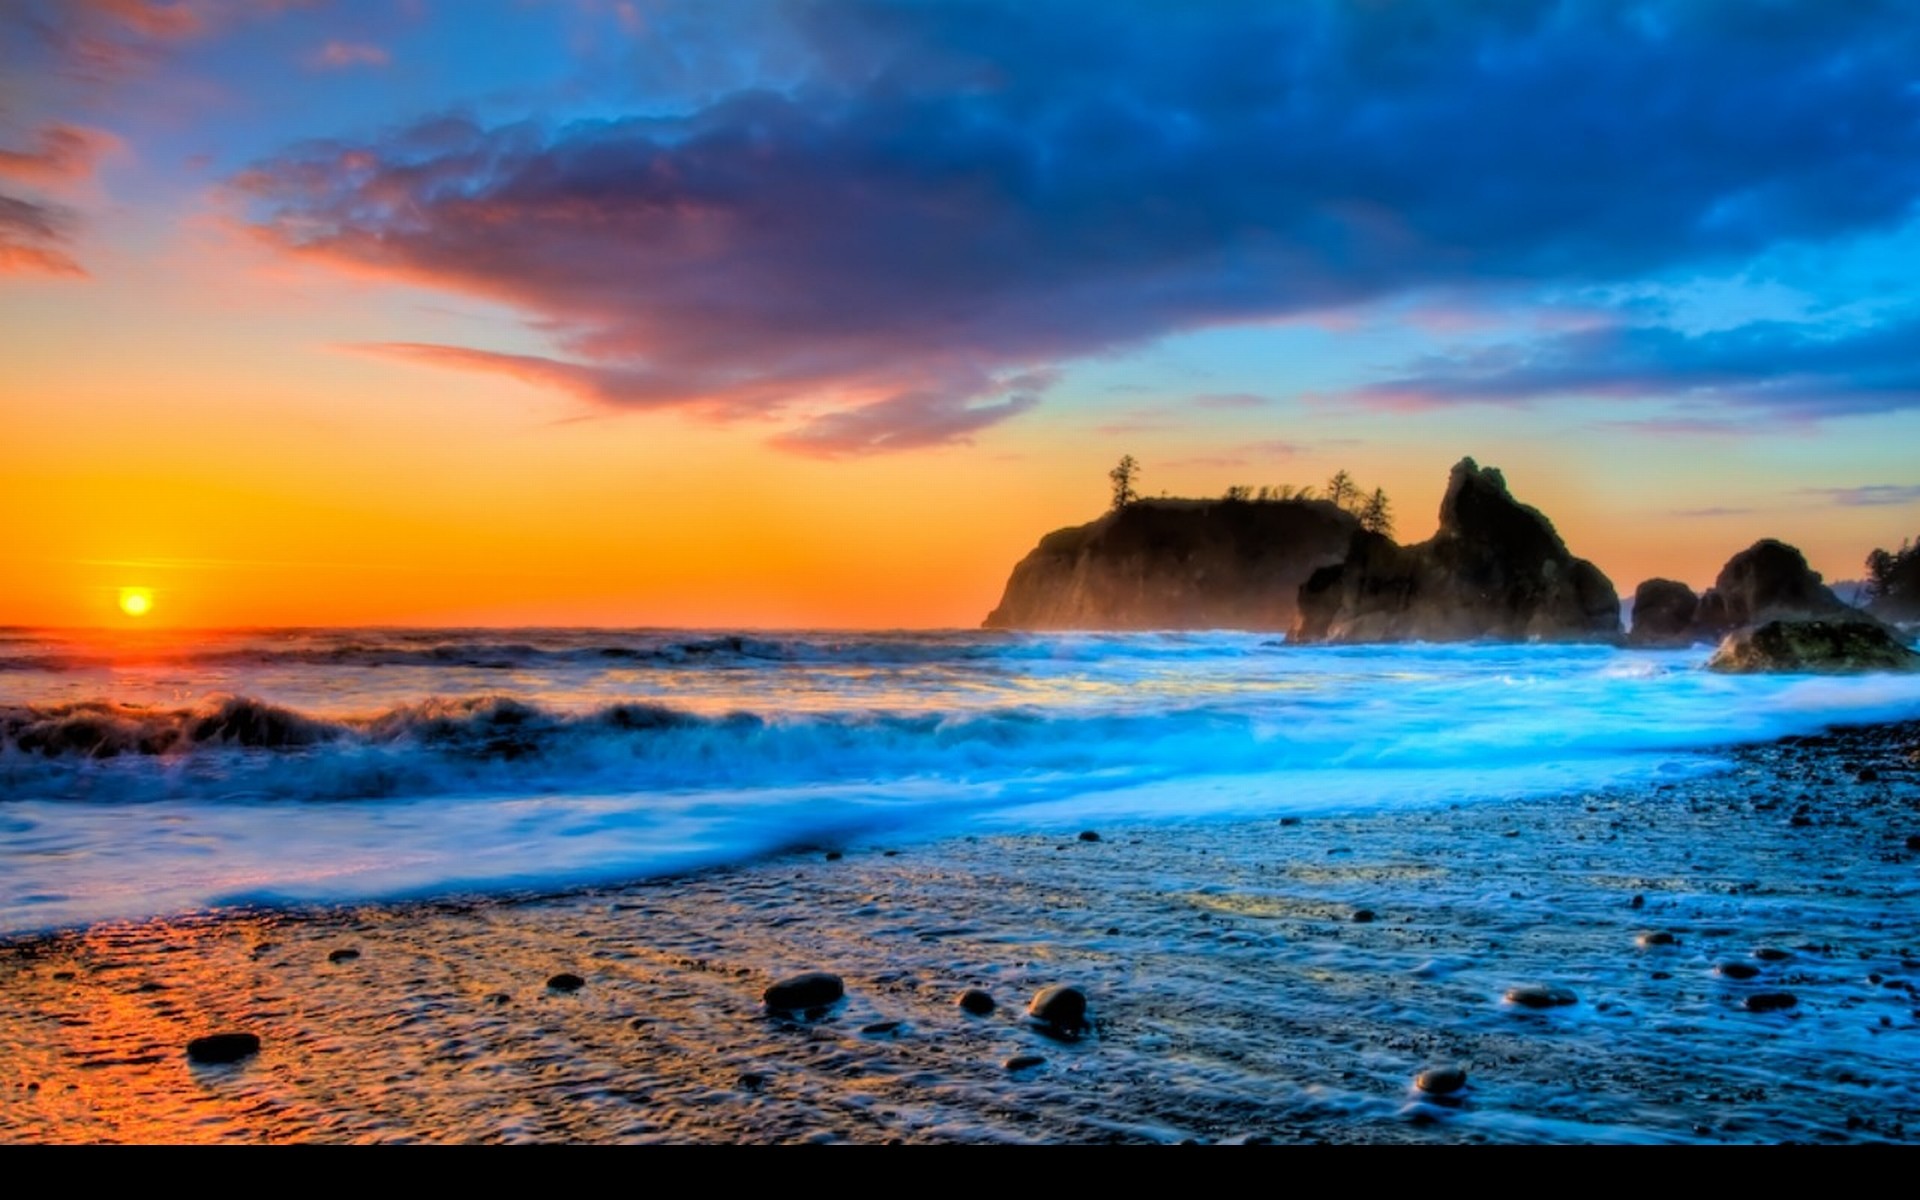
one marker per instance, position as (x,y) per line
(1495,569)
(1177,564)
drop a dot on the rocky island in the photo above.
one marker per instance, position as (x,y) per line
(1177,564)
(1495,569)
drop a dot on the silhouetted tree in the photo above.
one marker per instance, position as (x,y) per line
(1889,573)
(1376,514)
(1239,493)
(1266,493)
(1123,477)
(1341,489)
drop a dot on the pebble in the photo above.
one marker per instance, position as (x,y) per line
(1637,902)
(1022,1062)
(1772,954)
(834,856)
(566,981)
(1763,1002)
(1658,937)
(1060,1007)
(1535,995)
(223,1048)
(1913,841)
(340,956)
(1867,775)
(814,989)
(879,1028)
(1363,915)
(1737,970)
(1088,835)
(1441,1081)
(1289,820)
(975,1001)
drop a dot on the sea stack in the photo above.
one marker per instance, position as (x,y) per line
(1768,581)
(1177,564)
(1495,569)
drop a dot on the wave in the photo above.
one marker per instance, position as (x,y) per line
(599,649)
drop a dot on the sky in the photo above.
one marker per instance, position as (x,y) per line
(819,314)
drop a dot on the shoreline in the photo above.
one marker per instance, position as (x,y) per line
(1235,995)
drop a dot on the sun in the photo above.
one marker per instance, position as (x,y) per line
(136,601)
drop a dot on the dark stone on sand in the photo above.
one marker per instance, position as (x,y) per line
(1022,1062)
(1658,937)
(751,1081)
(1441,1081)
(1913,841)
(63,976)
(1088,835)
(499,998)
(1800,820)
(1637,902)
(834,856)
(1737,970)
(1772,954)
(1534,995)
(566,981)
(1060,1007)
(1363,915)
(340,956)
(814,989)
(1840,645)
(1289,820)
(1763,1002)
(879,1028)
(975,1001)
(218,1048)
(1867,775)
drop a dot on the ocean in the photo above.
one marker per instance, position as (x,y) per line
(148,774)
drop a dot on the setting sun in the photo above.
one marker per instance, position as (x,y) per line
(136,601)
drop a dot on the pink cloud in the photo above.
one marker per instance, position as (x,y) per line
(60,154)
(336,56)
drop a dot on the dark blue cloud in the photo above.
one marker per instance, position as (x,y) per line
(936,198)
(1783,369)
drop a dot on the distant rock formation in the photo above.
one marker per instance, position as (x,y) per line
(1841,645)
(1768,581)
(1664,613)
(1177,564)
(1495,569)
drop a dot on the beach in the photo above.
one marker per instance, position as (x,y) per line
(1251,979)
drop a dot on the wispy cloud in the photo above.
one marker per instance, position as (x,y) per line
(33,238)
(1872,495)
(1713,511)
(337,56)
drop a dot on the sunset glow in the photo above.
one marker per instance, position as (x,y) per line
(136,601)
(732,367)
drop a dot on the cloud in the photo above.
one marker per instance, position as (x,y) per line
(1871,495)
(60,154)
(938,197)
(32,237)
(335,56)
(1774,369)
(1714,511)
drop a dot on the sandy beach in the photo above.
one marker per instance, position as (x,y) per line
(1250,981)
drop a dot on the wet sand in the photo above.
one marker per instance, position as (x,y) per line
(1238,994)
